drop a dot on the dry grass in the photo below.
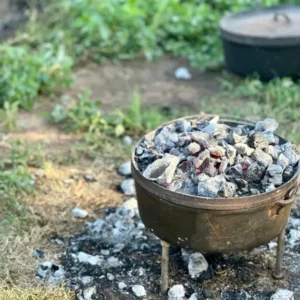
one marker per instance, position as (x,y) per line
(51,210)
(41,293)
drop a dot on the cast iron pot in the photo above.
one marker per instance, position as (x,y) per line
(263,41)
(214,225)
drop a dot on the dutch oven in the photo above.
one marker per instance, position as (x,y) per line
(263,41)
(214,225)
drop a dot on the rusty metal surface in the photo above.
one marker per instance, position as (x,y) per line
(214,225)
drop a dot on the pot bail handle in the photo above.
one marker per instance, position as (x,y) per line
(289,197)
(277,16)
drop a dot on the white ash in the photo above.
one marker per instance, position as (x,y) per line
(87,294)
(110,276)
(194,296)
(283,294)
(128,187)
(294,237)
(197,264)
(54,274)
(139,290)
(79,213)
(125,168)
(176,292)
(238,161)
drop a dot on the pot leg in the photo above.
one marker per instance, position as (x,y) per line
(164,267)
(278,273)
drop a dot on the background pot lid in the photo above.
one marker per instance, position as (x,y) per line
(272,26)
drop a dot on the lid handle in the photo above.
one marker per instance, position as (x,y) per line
(279,15)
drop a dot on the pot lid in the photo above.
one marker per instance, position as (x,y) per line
(272,26)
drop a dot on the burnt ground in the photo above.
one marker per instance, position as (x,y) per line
(114,84)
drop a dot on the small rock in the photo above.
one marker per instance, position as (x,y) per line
(267,124)
(182,73)
(79,213)
(193,148)
(162,170)
(197,264)
(243,149)
(139,290)
(272,245)
(288,173)
(128,187)
(263,158)
(125,169)
(127,140)
(122,285)
(53,273)
(38,253)
(194,296)
(89,178)
(176,292)
(282,294)
(282,161)
(110,276)
(86,280)
(87,294)
(93,260)
(183,126)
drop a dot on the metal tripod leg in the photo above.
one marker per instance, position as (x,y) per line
(164,267)
(278,273)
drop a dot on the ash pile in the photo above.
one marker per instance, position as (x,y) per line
(207,158)
(116,258)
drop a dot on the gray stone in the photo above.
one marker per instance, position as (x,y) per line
(283,294)
(110,276)
(272,139)
(51,272)
(198,161)
(128,187)
(262,157)
(87,294)
(86,258)
(89,178)
(176,292)
(114,262)
(282,161)
(272,151)
(243,149)
(275,172)
(79,213)
(230,153)
(122,285)
(38,253)
(127,140)
(235,138)
(267,124)
(194,296)
(182,73)
(125,169)
(183,125)
(139,290)
(193,148)
(162,170)
(290,154)
(197,264)
(211,187)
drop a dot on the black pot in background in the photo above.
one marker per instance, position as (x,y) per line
(264,42)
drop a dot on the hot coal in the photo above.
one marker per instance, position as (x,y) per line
(207,158)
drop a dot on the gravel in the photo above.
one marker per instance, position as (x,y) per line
(79,213)
(211,159)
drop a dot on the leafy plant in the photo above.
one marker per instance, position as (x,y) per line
(25,74)
(9,115)
(121,29)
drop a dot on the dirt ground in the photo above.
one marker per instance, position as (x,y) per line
(62,187)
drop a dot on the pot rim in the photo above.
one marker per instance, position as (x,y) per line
(194,201)
(252,40)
